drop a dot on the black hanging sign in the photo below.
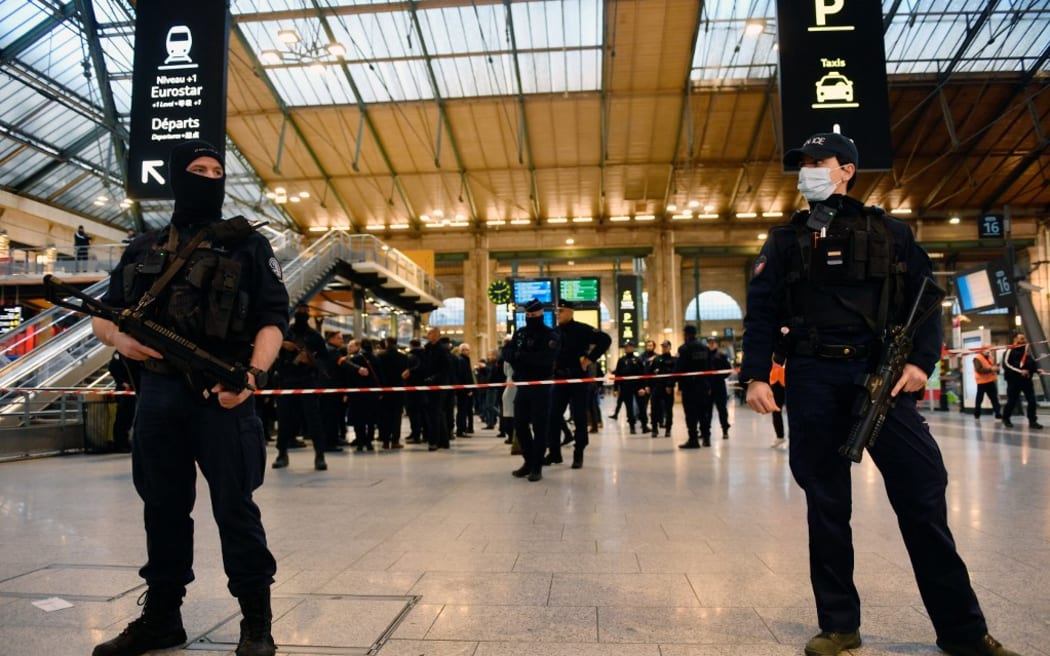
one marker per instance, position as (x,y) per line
(178,88)
(629,308)
(833,72)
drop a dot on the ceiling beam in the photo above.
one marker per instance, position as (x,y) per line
(109,107)
(687,88)
(61,158)
(12,132)
(287,114)
(524,143)
(61,14)
(1020,88)
(443,113)
(755,133)
(362,107)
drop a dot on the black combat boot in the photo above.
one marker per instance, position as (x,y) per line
(256,639)
(159,626)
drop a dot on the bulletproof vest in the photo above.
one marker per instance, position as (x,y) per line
(844,279)
(204,301)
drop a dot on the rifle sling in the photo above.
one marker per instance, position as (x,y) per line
(176,265)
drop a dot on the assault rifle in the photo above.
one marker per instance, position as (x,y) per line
(874,402)
(179,352)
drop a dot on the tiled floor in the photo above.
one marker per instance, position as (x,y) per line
(646,551)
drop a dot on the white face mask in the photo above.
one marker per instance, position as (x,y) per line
(815,183)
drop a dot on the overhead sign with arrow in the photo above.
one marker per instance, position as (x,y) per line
(178,86)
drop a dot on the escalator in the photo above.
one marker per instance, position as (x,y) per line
(61,350)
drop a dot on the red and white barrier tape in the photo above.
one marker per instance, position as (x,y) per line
(407,388)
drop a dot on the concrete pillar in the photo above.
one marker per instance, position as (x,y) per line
(664,287)
(476,306)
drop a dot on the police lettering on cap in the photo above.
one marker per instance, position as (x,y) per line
(822,146)
(562,303)
(534,306)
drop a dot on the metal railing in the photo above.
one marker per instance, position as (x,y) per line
(36,262)
(316,261)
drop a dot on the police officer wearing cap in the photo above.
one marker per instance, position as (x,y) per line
(633,392)
(661,390)
(694,357)
(531,354)
(829,283)
(229,298)
(580,346)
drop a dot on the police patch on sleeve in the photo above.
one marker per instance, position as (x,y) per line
(275,267)
(760,264)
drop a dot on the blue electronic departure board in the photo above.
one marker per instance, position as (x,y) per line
(538,288)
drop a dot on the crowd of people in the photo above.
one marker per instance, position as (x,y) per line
(363,421)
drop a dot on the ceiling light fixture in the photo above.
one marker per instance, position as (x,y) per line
(671,207)
(754,26)
(297,51)
(582,219)
(954,220)
(399,226)
(707,215)
(746,215)
(619,219)
(521,221)
(693,204)
(644,217)
(570,241)
(558,219)
(772,215)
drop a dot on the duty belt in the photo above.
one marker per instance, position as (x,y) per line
(832,351)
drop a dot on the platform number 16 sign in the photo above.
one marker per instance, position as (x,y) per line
(991,227)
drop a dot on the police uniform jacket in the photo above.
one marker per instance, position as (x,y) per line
(220,299)
(532,352)
(842,291)
(662,364)
(293,371)
(692,356)
(578,340)
(628,365)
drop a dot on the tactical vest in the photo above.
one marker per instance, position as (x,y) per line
(204,301)
(843,282)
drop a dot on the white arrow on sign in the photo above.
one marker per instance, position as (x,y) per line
(149,169)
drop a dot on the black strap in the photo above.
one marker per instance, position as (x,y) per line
(173,268)
(227,231)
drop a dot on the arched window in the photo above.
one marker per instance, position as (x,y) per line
(452,314)
(714,306)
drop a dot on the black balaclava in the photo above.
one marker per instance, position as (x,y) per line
(302,318)
(198,199)
(534,322)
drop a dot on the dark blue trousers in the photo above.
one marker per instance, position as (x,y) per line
(175,431)
(820,395)
(532,411)
(574,396)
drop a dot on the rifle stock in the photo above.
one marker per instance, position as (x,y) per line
(179,352)
(874,402)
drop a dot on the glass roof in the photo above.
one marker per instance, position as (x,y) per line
(56,144)
(922,38)
(556,46)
